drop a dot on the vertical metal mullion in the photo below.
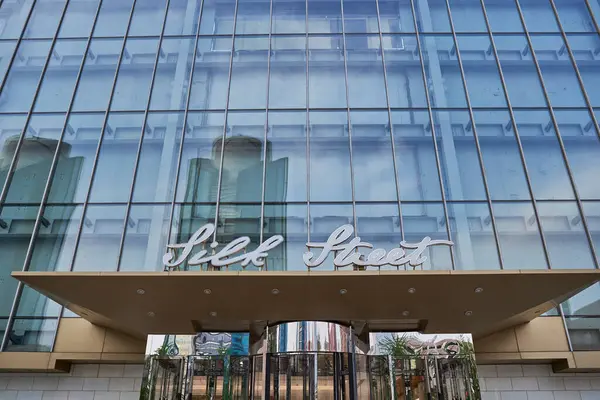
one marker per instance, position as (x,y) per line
(565,326)
(101,139)
(15,158)
(389,112)
(307,128)
(142,134)
(556,130)
(591,11)
(559,137)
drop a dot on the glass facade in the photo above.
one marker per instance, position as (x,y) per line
(127,124)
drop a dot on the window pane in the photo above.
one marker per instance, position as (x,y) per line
(217,17)
(201,158)
(59,80)
(557,71)
(182,17)
(396,16)
(324,16)
(101,233)
(501,156)
(35,159)
(32,335)
(187,219)
(78,18)
(592,215)
(503,16)
(366,86)
(237,220)
(329,151)
(543,156)
(520,73)
(586,49)
(403,70)
(148,17)
(595,7)
(14,18)
(286,171)
(211,74)
(135,75)
(327,86)
(287,85)
(458,155)
(33,304)
(172,74)
(44,19)
(96,81)
(288,17)
(324,219)
(483,79)
(22,80)
(11,128)
(467,16)
(574,16)
(7,49)
(288,221)
(372,157)
(432,16)
(116,160)
(445,84)
(113,18)
(473,236)
(539,16)
(157,165)
(360,16)
(584,333)
(584,303)
(379,224)
(253,17)
(54,245)
(249,73)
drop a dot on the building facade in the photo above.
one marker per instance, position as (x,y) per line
(127,126)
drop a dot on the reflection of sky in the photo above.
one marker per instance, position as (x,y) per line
(154,342)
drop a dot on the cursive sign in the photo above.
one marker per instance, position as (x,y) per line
(346,253)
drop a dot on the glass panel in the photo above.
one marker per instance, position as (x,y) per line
(135,75)
(35,158)
(503,16)
(467,16)
(324,16)
(595,7)
(217,17)
(23,78)
(248,88)
(501,156)
(473,236)
(329,151)
(324,219)
(211,74)
(288,16)
(458,155)
(182,17)
(432,16)
(44,19)
(586,49)
(11,128)
(237,220)
(79,18)
(187,219)
(442,72)
(14,18)
(427,219)
(519,236)
(157,165)
(96,81)
(481,71)
(33,304)
(379,224)
(148,17)
(543,156)
(59,80)
(582,147)
(242,176)
(520,73)
(7,49)
(145,238)
(327,86)
(539,16)
(172,74)
(584,303)
(372,157)
(286,170)
(557,71)
(113,18)
(584,333)
(403,70)
(366,86)
(54,245)
(253,17)
(116,159)
(396,16)
(32,335)
(3,323)
(360,16)
(290,222)
(574,16)
(71,178)
(287,84)
(101,233)
(592,216)
(201,158)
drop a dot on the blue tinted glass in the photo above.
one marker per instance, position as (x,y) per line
(404,74)
(591,210)
(372,156)
(543,156)
(467,16)
(327,85)
(539,16)
(586,49)
(379,224)
(584,303)
(584,333)
(473,236)
(32,335)
(582,147)
(329,151)
(366,85)
(503,16)
(217,17)
(238,220)
(14,18)
(182,17)
(360,16)
(33,304)
(324,16)
(113,18)
(253,17)
(211,61)
(574,16)
(11,128)
(287,82)
(396,16)
(519,236)
(459,158)
(432,16)
(288,17)
(418,178)
(148,17)
(324,219)
(442,72)
(23,78)
(248,87)
(520,73)
(7,49)
(187,218)
(172,74)
(79,18)
(45,18)
(58,84)
(595,7)
(290,221)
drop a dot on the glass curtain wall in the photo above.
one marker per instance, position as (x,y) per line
(125,125)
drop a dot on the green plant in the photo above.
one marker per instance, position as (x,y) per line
(397,346)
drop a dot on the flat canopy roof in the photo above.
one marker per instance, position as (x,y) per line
(427,301)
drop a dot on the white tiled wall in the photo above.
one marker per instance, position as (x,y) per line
(84,382)
(535,382)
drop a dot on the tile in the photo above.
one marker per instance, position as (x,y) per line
(45,383)
(106,395)
(493,384)
(524,383)
(540,395)
(55,395)
(85,370)
(96,384)
(30,395)
(490,396)
(121,384)
(111,371)
(595,383)
(130,396)
(70,383)
(513,395)
(537,370)
(551,383)
(80,395)
(8,395)
(590,395)
(482,386)
(567,395)
(3,383)
(138,384)
(577,384)
(509,371)
(133,371)
(20,383)
(487,371)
